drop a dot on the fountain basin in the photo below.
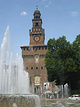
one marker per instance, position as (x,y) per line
(59,103)
(8,100)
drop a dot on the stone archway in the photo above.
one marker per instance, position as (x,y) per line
(37,90)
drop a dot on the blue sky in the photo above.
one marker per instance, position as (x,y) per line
(59,17)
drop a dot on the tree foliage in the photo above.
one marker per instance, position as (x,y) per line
(62,61)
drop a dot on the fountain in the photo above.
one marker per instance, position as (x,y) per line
(63,91)
(14,81)
(62,98)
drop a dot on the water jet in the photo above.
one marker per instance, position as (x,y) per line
(14,81)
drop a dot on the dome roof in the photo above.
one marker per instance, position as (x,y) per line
(36,12)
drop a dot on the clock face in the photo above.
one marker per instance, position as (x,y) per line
(36,38)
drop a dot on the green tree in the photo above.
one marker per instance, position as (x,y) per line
(62,61)
(74,76)
(55,59)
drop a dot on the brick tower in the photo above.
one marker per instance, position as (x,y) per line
(34,55)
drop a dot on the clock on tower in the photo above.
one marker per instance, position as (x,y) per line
(36,38)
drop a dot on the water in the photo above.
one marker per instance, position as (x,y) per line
(13,78)
(14,105)
(63,103)
(14,81)
(64,91)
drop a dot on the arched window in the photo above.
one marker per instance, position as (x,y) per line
(36,59)
(37,80)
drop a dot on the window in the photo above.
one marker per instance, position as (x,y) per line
(42,48)
(33,48)
(45,48)
(39,48)
(26,68)
(36,59)
(36,25)
(31,68)
(36,17)
(36,67)
(37,80)
(41,67)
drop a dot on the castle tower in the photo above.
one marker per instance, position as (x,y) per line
(34,55)
(37,35)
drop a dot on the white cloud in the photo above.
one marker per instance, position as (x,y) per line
(46,3)
(23,13)
(43,2)
(74,13)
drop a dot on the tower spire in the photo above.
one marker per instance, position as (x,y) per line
(37,7)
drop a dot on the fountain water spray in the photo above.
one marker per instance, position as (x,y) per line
(12,74)
(14,81)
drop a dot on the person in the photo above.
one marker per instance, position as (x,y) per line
(51,97)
